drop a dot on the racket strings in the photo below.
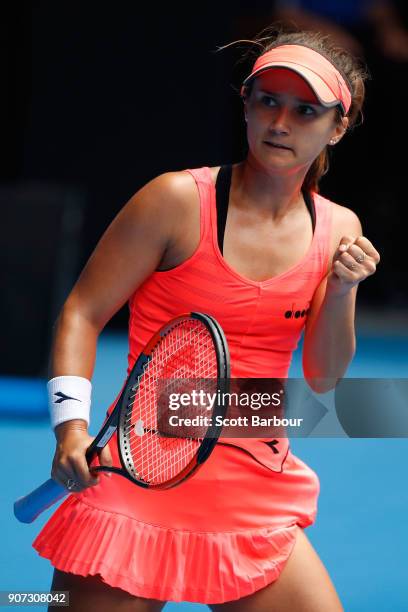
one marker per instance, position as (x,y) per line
(185,356)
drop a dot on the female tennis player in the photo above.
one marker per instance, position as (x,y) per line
(257,247)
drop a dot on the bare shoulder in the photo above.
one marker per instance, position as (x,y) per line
(141,236)
(345,221)
(171,188)
(161,203)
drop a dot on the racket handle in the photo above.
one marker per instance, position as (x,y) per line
(26,509)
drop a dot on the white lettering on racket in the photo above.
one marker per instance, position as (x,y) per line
(107,436)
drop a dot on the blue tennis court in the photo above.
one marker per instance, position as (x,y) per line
(362,528)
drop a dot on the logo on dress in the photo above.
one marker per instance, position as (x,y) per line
(297,313)
(273,444)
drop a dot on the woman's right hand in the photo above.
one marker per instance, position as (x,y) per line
(69,463)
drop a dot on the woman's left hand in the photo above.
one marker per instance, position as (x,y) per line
(354,260)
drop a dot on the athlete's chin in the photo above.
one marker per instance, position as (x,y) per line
(281,165)
(280,158)
(290,163)
(278,164)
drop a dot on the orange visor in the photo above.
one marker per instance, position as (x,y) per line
(324,79)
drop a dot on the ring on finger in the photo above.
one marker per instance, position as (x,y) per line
(70,484)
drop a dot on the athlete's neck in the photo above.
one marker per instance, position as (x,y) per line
(270,194)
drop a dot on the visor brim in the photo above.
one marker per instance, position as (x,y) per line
(321,90)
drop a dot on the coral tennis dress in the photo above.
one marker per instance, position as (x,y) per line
(230,529)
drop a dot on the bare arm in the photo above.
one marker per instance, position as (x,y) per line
(330,343)
(129,251)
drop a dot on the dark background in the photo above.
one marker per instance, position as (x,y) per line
(98,98)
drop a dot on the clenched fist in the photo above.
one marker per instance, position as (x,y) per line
(354,260)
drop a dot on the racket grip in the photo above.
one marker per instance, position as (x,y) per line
(26,509)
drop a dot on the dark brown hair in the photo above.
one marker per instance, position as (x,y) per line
(353,71)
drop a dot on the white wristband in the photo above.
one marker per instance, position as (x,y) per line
(69,397)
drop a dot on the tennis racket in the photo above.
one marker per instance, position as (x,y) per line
(188,348)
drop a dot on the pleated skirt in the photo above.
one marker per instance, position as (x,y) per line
(222,535)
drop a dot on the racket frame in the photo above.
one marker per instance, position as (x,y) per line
(116,420)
